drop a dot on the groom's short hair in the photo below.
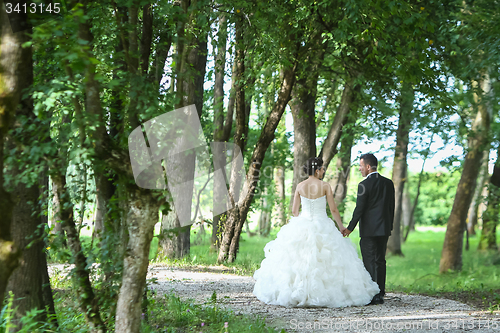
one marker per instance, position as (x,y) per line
(369,159)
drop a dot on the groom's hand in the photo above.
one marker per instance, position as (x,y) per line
(347,232)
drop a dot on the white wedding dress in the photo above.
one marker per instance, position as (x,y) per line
(310,264)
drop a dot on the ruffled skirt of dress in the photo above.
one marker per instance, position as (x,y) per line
(310,264)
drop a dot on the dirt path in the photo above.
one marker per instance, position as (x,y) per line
(399,313)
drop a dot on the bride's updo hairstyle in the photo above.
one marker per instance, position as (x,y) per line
(313,164)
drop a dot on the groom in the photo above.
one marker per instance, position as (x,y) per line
(375,213)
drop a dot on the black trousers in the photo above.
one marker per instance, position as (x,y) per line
(373,253)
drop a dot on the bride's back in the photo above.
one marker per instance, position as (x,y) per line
(312,188)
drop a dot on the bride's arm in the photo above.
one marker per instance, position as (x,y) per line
(333,207)
(296,203)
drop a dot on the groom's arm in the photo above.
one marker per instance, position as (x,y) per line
(361,201)
(392,201)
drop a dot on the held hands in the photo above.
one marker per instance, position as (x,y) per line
(345,232)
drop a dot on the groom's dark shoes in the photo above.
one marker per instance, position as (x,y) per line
(377,299)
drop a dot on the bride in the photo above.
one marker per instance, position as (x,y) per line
(310,263)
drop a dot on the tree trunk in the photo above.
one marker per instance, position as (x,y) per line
(48,298)
(264,222)
(192,55)
(476,197)
(14,65)
(87,299)
(146,37)
(411,225)
(219,190)
(105,189)
(279,180)
(304,127)
(488,240)
(347,104)
(141,219)
(114,244)
(303,106)
(339,183)
(57,228)
(451,257)
(237,215)
(329,99)
(99,135)
(162,50)
(400,166)
(240,110)
(175,240)
(26,281)
(406,209)
(83,195)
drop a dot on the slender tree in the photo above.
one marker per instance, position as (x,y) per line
(488,239)
(221,132)
(400,165)
(303,106)
(451,257)
(472,215)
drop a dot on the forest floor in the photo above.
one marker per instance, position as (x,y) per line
(399,313)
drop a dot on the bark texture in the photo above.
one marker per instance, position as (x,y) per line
(14,77)
(26,281)
(339,182)
(400,167)
(472,216)
(27,230)
(220,132)
(304,127)
(303,107)
(48,298)
(88,301)
(347,104)
(141,219)
(191,67)
(238,215)
(451,257)
(279,181)
(488,240)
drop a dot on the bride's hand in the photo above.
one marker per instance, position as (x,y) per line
(342,229)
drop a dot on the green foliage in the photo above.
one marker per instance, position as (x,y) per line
(6,314)
(437,194)
(29,323)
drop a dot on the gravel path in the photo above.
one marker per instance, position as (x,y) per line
(399,313)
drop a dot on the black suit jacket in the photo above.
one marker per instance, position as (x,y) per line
(374,207)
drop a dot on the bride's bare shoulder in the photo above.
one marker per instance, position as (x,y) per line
(325,184)
(325,187)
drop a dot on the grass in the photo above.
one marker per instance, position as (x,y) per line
(248,260)
(418,271)
(169,314)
